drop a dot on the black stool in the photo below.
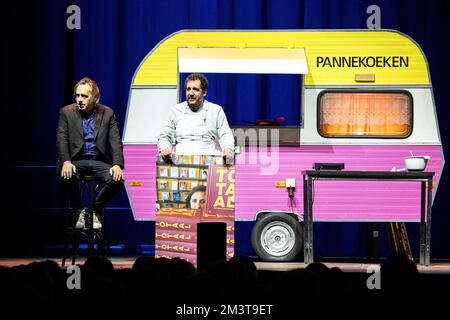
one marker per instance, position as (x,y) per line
(89,233)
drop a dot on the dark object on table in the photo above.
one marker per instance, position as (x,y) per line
(266,122)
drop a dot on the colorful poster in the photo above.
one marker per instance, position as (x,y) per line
(191,190)
(220,200)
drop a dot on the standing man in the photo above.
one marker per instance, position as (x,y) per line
(88,142)
(196,126)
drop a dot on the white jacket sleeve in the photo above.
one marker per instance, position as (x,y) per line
(167,133)
(226,138)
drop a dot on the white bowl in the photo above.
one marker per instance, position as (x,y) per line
(416,163)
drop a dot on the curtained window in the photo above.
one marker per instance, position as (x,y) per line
(365,114)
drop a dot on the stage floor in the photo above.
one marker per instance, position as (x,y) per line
(127,262)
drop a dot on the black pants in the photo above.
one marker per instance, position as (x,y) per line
(98,169)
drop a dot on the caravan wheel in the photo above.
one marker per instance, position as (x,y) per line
(277,237)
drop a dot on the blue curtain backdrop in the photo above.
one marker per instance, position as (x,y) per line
(42,59)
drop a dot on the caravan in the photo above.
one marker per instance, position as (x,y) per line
(367,102)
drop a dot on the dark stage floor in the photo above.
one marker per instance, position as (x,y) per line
(127,262)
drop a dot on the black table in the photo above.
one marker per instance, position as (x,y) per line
(426,178)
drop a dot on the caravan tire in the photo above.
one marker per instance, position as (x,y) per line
(277,237)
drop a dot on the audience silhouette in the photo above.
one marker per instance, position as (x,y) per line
(155,281)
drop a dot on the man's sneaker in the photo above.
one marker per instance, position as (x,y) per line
(97,223)
(80,221)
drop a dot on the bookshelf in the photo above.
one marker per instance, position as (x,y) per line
(174,182)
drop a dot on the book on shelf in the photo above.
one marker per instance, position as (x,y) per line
(184,159)
(208,160)
(180,159)
(174,172)
(183,172)
(196,159)
(163,171)
(163,184)
(192,173)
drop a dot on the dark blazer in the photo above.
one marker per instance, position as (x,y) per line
(70,138)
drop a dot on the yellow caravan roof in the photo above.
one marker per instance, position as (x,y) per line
(333,57)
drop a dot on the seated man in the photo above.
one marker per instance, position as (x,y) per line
(88,143)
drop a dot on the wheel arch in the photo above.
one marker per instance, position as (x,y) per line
(260,214)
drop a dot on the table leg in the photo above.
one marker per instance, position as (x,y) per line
(428,224)
(422,223)
(308,241)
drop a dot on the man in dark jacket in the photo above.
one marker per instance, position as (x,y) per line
(88,142)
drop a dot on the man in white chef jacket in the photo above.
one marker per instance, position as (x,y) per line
(196,126)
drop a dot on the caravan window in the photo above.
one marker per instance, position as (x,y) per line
(248,97)
(365,114)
